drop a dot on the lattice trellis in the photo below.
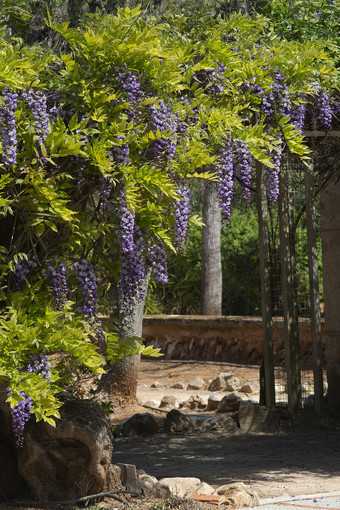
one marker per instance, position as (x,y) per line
(290,276)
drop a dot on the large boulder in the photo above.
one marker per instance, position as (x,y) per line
(219,383)
(220,423)
(194,402)
(255,418)
(178,423)
(229,404)
(238,495)
(196,384)
(232,384)
(169,401)
(72,459)
(146,482)
(140,424)
(180,487)
(213,400)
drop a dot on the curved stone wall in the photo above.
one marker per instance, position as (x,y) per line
(234,339)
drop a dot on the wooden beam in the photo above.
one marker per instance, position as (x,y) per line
(330,134)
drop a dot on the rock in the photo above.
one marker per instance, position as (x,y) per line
(251,387)
(213,401)
(229,404)
(219,383)
(194,402)
(145,482)
(140,424)
(256,418)
(128,477)
(180,487)
(72,459)
(196,384)
(204,488)
(169,401)
(220,423)
(152,403)
(178,386)
(178,423)
(155,384)
(238,495)
(232,384)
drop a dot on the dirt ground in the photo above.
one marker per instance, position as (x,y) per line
(304,459)
(299,460)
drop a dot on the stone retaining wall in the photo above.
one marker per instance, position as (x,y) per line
(233,339)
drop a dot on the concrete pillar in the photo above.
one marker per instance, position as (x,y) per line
(330,236)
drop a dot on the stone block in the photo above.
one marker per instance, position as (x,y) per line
(140,424)
(178,423)
(196,384)
(180,487)
(257,418)
(229,404)
(238,495)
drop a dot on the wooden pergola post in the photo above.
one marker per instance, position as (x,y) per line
(265,285)
(314,290)
(291,325)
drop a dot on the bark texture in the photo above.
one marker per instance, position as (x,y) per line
(119,384)
(211,277)
(72,459)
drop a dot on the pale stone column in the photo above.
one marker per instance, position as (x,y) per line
(330,236)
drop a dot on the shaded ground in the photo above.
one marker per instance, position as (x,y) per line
(297,462)
(300,460)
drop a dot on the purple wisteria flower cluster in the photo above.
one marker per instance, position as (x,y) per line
(22,269)
(163,119)
(216,80)
(58,284)
(127,224)
(225,173)
(244,161)
(133,272)
(131,86)
(39,364)
(21,414)
(280,100)
(323,110)
(88,282)
(158,261)
(273,175)
(303,111)
(298,112)
(182,215)
(86,277)
(8,127)
(36,100)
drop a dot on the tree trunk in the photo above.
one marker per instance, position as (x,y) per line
(119,384)
(211,276)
